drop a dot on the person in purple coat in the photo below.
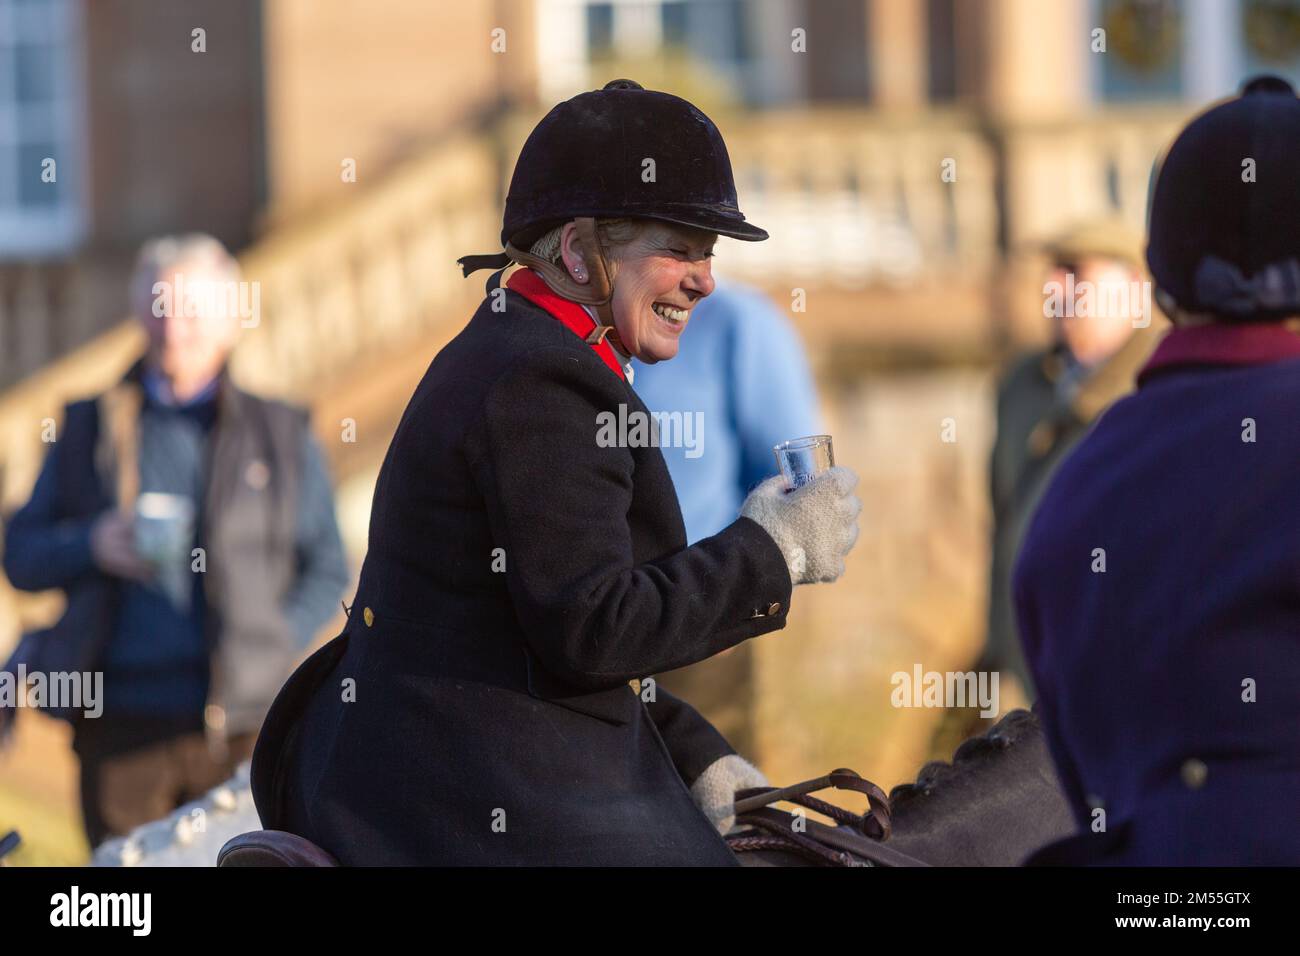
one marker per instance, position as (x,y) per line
(1158,588)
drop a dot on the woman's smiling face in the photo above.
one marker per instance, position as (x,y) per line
(659,276)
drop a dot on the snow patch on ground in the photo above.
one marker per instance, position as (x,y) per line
(192,835)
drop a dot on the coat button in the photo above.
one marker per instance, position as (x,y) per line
(214,716)
(774,608)
(257,474)
(1194,773)
(368,616)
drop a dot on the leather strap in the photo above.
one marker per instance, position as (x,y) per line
(832,846)
(775,831)
(531,286)
(875,823)
(602,277)
(598,293)
(495,260)
(854,840)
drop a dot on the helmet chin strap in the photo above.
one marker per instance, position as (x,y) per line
(598,293)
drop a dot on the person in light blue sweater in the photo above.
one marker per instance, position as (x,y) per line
(741,383)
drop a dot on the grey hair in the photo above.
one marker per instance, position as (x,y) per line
(614,235)
(165,252)
(548,247)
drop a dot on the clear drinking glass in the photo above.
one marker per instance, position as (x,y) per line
(802,459)
(164,527)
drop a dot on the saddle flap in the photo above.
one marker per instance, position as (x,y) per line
(272,848)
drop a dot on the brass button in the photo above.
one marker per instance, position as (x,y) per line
(214,717)
(774,608)
(368,616)
(1194,773)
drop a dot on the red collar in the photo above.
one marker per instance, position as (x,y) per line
(530,285)
(1252,343)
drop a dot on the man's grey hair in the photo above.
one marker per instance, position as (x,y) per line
(157,255)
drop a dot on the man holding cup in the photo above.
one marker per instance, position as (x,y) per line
(192,527)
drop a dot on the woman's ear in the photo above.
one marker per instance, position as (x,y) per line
(574,264)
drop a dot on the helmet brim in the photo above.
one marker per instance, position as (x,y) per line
(722,225)
(732,225)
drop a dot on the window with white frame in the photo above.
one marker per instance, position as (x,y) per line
(40,127)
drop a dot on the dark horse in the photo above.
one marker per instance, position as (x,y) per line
(997,803)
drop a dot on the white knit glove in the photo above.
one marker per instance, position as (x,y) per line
(814,526)
(714,792)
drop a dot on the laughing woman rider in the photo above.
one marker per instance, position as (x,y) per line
(476,708)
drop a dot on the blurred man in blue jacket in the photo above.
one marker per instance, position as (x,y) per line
(741,383)
(195,638)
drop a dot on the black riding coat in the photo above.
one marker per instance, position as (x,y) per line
(474,715)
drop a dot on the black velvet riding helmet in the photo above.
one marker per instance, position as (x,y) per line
(621,151)
(624,151)
(1225,212)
